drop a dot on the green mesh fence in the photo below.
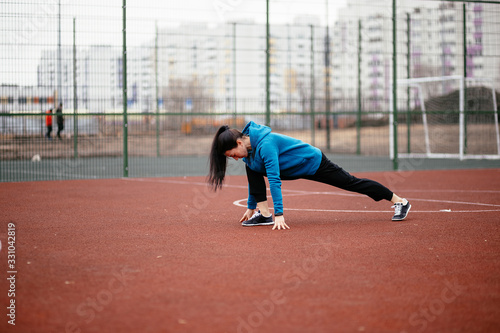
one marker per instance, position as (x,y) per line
(144,85)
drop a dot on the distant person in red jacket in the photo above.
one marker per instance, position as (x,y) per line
(48,123)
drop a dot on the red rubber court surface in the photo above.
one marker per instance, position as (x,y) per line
(166,255)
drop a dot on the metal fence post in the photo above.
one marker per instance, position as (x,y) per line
(327,81)
(268,102)
(58,99)
(394,86)
(234,75)
(124,64)
(358,118)
(75,96)
(313,120)
(408,75)
(465,75)
(156,93)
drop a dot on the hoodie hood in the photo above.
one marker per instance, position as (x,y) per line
(256,133)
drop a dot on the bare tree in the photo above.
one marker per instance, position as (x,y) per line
(186,97)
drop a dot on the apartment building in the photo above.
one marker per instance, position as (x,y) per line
(200,67)
(229,62)
(99,78)
(433,33)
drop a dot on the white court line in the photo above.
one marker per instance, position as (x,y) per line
(239,204)
(301,192)
(386,211)
(182,182)
(54,173)
(454,191)
(152,180)
(412,199)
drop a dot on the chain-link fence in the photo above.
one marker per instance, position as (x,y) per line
(139,88)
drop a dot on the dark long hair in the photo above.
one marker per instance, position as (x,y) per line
(224,140)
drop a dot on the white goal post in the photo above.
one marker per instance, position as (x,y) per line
(417,84)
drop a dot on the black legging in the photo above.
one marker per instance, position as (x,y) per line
(328,173)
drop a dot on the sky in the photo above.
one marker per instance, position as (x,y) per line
(29,26)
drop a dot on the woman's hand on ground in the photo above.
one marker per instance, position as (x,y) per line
(279,222)
(248,214)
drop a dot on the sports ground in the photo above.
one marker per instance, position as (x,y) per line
(167,255)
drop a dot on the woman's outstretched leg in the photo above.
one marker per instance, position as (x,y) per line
(332,174)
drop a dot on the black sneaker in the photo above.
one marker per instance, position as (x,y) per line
(401,210)
(258,219)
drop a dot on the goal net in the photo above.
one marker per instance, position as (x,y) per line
(446,117)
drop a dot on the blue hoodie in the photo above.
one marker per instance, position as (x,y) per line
(276,156)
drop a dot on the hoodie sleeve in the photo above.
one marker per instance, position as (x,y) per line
(269,153)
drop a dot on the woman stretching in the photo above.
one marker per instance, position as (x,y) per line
(280,157)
